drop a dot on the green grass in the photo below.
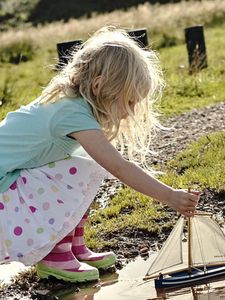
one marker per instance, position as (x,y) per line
(201,165)
(185,91)
(128,210)
(22,82)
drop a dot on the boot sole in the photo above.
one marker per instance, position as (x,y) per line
(45,271)
(101,264)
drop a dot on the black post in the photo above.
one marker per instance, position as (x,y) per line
(64,50)
(195,42)
(140,35)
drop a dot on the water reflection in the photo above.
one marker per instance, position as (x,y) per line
(127,284)
(211,291)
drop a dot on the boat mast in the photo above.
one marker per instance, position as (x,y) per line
(189,246)
(189,242)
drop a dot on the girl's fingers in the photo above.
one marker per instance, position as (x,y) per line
(191,208)
(188,213)
(193,199)
(197,193)
(193,194)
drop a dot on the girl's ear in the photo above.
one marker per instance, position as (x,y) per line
(95,84)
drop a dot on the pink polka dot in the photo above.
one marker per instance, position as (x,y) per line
(73,170)
(1,205)
(30,242)
(22,200)
(13,186)
(33,209)
(7,257)
(31,196)
(58,176)
(46,206)
(24,180)
(18,230)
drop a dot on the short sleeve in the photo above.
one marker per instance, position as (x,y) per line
(72,116)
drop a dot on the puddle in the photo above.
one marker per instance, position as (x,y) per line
(9,270)
(127,284)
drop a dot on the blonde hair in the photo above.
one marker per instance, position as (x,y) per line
(130,82)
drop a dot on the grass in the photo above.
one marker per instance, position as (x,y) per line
(201,165)
(22,82)
(185,91)
(128,210)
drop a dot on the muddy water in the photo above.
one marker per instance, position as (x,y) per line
(127,284)
(9,270)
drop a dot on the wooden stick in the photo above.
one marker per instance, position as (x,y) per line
(189,242)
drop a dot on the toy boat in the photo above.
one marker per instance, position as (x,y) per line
(200,259)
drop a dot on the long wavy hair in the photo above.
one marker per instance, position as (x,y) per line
(130,82)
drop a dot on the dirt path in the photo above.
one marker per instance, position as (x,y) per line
(188,127)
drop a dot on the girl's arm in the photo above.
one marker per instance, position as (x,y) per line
(101,150)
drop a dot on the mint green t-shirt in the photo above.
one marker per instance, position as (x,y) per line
(36,134)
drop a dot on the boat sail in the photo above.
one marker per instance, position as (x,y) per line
(203,252)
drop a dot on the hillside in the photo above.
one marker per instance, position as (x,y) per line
(17,13)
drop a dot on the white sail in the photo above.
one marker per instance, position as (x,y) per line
(207,241)
(171,253)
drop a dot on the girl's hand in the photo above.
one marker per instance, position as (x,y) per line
(184,202)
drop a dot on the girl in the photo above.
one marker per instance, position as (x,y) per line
(104,94)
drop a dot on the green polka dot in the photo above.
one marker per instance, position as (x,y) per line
(40,230)
(40,191)
(51,165)
(8,243)
(52,237)
(6,198)
(54,188)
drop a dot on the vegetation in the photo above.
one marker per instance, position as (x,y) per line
(127,210)
(14,13)
(23,51)
(201,165)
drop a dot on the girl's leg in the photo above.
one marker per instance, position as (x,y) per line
(82,253)
(62,264)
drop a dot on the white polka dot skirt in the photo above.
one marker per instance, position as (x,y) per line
(43,205)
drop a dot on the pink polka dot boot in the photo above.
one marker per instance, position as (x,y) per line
(62,264)
(102,260)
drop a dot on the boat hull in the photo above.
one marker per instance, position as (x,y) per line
(181,279)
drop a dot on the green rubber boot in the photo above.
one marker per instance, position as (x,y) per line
(83,274)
